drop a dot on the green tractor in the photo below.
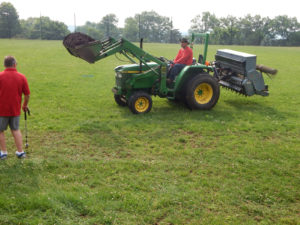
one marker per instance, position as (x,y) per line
(197,85)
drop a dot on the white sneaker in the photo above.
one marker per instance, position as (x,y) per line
(21,155)
(3,155)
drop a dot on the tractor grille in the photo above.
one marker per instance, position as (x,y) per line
(121,79)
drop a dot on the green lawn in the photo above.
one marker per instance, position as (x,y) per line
(93,162)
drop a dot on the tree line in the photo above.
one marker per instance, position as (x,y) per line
(32,28)
(249,30)
(147,25)
(152,27)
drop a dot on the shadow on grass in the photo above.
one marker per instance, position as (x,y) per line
(120,127)
(256,108)
(171,113)
(225,110)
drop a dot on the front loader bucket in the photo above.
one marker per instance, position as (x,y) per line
(83,46)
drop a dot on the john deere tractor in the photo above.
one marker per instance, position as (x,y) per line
(197,85)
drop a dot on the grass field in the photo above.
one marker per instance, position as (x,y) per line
(93,162)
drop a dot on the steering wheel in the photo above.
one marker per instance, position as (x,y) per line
(166,60)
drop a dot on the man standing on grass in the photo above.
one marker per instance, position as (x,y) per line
(12,86)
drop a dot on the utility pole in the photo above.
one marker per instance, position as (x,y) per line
(108,26)
(139,27)
(74,22)
(41,26)
(171,35)
(6,14)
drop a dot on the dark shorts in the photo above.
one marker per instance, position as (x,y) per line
(12,121)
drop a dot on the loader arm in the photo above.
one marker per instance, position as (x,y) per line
(97,50)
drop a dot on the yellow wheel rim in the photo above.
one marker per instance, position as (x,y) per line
(142,104)
(203,93)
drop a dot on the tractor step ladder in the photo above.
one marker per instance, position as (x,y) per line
(171,93)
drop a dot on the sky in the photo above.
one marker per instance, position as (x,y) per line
(181,12)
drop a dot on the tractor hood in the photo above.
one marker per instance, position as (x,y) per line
(135,68)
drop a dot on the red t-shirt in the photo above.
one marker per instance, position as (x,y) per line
(184,56)
(12,86)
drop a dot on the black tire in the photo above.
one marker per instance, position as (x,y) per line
(120,100)
(140,102)
(202,92)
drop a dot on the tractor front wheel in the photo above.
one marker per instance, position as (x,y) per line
(202,92)
(120,100)
(140,102)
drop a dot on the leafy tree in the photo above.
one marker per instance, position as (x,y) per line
(43,28)
(226,32)
(53,30)
(230,28)
(254,30)
(283,28)
(27,27)
(175,36)
(205,23)
(294,39)
(150,26)
(249,30)
(108,26)
(91,29)
(172,35)
(131,29)
(9,20)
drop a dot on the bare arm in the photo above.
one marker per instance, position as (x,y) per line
(25,103)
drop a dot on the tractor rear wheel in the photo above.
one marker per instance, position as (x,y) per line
(140,102)
(120,100)
(202,92)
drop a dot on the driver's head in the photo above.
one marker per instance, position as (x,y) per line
(184,42)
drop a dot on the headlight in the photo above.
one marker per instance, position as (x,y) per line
(118,75)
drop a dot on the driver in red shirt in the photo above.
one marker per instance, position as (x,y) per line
(12,86)
(183,58)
